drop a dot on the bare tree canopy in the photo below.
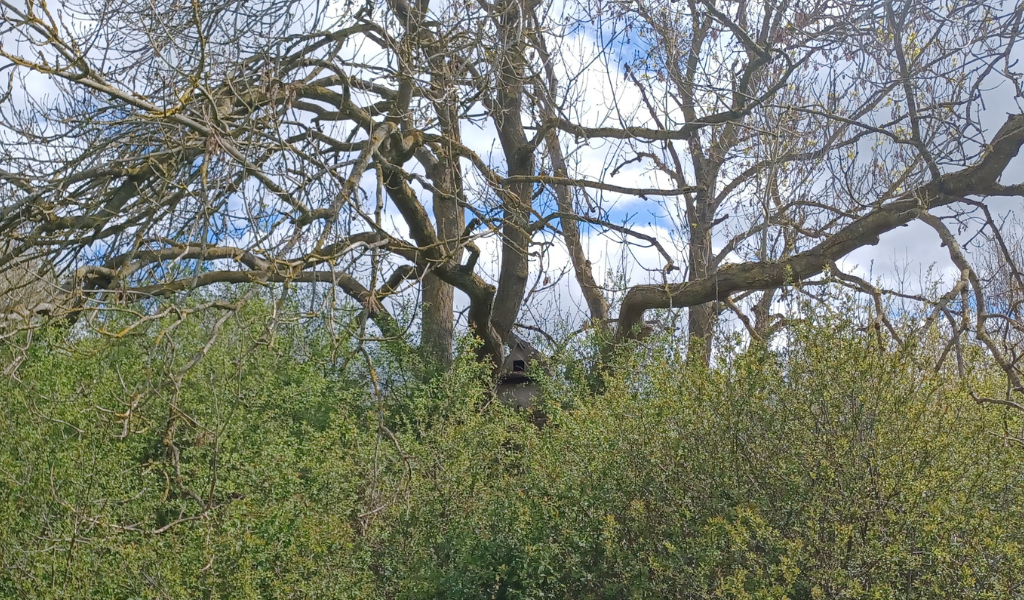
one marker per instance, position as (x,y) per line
(154,148)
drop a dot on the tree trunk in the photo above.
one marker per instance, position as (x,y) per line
(438,319)
(519,158)
(701,318)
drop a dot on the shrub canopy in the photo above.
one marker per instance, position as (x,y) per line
(827,467)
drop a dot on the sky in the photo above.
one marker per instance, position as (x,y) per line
(907,256)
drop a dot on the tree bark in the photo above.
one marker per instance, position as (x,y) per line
(519,158)
(438,320)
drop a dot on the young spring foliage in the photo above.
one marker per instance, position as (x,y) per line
(824,468)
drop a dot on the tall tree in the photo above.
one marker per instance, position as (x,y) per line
(155,148)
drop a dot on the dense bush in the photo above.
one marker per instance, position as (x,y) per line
(273,468)
(251,469)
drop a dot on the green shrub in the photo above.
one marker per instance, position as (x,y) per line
(242,480)
(272,468)
(827,469)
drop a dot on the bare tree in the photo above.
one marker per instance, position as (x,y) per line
(802,132)
(278,142)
